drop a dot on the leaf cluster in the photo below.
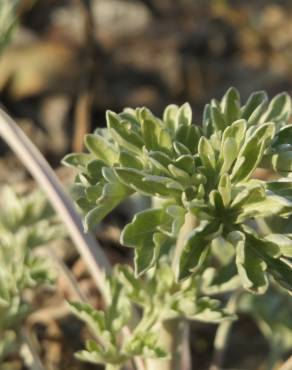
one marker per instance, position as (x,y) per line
(159,297)
(26,222)
(206,170)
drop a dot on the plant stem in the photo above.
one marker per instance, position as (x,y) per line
(222,334)
(112,367)
(189,224)
(173,334)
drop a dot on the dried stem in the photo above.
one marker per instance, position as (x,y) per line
(29,354)
(33,160)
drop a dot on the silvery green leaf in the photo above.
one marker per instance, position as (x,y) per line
(178,215)
(132,115)
(180,148)
(280,268)
(231,142)
(217,116)
(259,244)
(148,185)
(142,233)
(144,225)
(145,258)
(257,113)
(230,105)
(196,248)
(283,242)
(256,100)
(271,204)
(101,148)
(186,163)
(179,174)
(130,160)
(97,354)
(220,280)
(185,114)
(188,136)
(170,117)
(222,249)
(207,121)
(78,160)
(216,202)
(281,162)
(208,310)
(93,318)
(154,136)
(283,136)
(112,195)
(278,110)
(252,151)
(207,154)
(144,344)
(251,268)
(162,158)
(123,133)
(224,188)
(247,194)
(94,171)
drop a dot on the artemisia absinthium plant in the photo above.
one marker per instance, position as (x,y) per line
(26,222)
(204,171)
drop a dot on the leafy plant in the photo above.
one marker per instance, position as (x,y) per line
(208,202)
(26,222)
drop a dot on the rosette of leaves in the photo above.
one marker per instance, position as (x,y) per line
(26,222)
(205,170)
(160,298)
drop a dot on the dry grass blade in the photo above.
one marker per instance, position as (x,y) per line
(29,353)
(33,160)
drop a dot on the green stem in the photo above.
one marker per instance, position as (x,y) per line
(173,334)
(171,337)
(112,367)
(222,334)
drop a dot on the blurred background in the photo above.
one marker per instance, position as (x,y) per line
(63,63)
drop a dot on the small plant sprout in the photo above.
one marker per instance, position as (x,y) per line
(26,222)
(203,235)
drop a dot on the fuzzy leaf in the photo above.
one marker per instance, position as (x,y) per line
(142,233)
(251,269)
(252,151)
(123,133)
(255,100)
(196,248)
(101,148)
(230,105)
(278,110)
(112,195)
(185,114)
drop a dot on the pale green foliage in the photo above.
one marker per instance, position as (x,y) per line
(159,296)
(26,222)
(206,170)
